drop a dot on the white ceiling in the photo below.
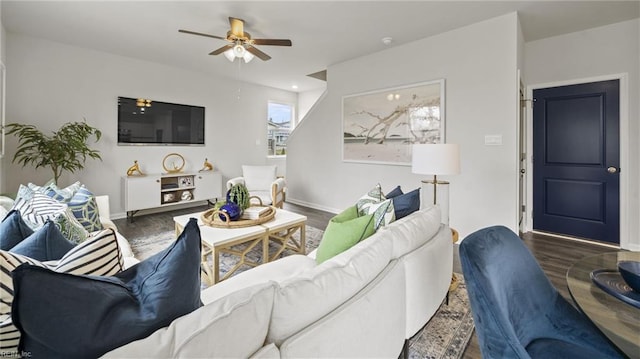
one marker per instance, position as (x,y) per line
(323,32)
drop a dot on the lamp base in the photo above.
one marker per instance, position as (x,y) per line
(436,193)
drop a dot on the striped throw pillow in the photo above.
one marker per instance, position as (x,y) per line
(40,208)
(9,337)
(99,255)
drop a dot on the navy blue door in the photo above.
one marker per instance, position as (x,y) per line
(576,160)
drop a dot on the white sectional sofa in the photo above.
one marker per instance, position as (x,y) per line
(105,219)
(364,302)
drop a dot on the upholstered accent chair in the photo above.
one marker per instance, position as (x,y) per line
(517,311)
(262,182)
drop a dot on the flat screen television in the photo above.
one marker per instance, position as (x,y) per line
(147,122)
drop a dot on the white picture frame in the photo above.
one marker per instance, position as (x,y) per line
(381,126)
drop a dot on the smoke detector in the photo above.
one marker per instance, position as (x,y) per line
(387,40)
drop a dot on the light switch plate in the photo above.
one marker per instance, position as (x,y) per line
(493,140)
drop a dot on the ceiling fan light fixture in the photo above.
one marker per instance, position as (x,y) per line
(229,55)
(239,50)
(247,56)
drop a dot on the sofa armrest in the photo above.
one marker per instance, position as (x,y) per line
(103,207)
(234,181)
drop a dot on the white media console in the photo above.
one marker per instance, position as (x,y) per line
(167,189)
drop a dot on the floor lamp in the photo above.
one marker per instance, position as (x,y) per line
(436,160)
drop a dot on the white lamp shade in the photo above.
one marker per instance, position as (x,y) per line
(436,159)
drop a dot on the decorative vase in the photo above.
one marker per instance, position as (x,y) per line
(232,210)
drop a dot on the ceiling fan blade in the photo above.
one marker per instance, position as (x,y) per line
(237,26)
(272,42)
(261,55)
(201,34)
(221,50)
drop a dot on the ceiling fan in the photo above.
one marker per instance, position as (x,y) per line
(240,42)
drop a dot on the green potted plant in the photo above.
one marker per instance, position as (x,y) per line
(64,150)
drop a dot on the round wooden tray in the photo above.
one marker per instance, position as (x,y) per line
(211,218)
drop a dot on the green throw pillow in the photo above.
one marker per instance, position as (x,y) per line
(343,232)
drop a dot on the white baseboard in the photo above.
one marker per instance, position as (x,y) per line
(313,205)
(602,244)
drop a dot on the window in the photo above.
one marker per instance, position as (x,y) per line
(280,123)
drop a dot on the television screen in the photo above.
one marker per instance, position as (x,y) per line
(147,122)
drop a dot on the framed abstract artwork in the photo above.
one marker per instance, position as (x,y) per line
(381,126)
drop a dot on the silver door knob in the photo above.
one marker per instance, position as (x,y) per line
(612,169)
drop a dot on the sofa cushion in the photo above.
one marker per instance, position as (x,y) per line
(307,297)
(259,178)
(276,271)
(84,207)
(234,326)
(412,231)
(103,313)
(406,203)
(45,244)
(374,202)
(343,232)
(98,255)
(13,230)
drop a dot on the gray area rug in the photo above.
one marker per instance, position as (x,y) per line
(445,336)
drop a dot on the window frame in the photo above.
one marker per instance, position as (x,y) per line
(292,125)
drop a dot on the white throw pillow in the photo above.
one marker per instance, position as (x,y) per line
(374,202)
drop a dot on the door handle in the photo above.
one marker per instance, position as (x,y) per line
(612,169)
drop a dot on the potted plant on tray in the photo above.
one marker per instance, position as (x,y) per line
(64,150)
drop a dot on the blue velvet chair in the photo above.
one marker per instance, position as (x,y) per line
(517,311)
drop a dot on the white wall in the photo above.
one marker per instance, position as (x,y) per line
(601,52)
(307,99)
(479,65)
(53,83)
(3,55)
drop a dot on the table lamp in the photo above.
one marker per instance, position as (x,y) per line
(436,160)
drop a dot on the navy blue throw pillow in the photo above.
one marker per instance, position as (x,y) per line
(61,315)
(45,244)
(394,193)
(406,203)
(13,230)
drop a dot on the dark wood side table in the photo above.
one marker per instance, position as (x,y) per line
(617,320)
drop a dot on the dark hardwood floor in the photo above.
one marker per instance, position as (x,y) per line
(555,255)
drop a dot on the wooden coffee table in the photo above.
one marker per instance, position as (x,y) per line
(281,230)
(222,240)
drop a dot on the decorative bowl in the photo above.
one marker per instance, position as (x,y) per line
(630,272)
